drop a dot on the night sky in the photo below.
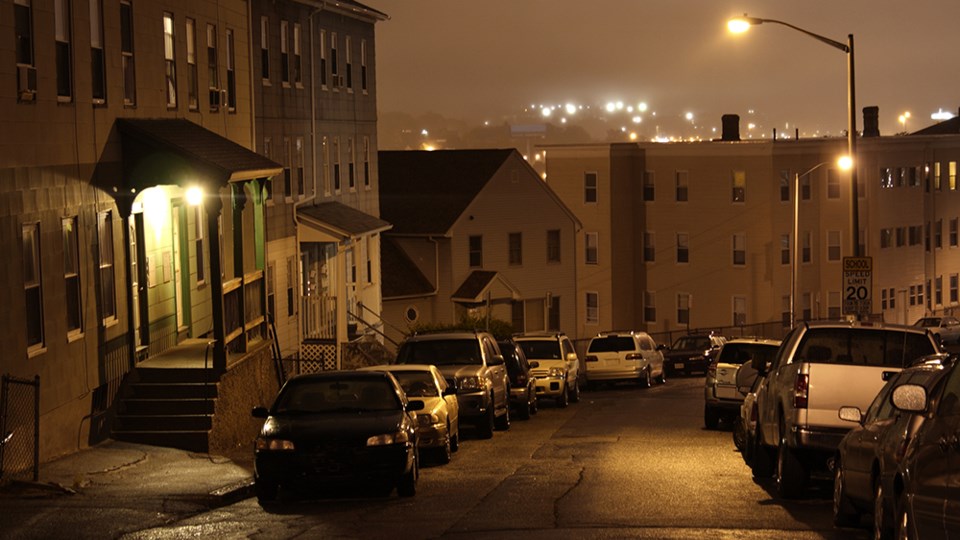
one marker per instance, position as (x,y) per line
(488,59)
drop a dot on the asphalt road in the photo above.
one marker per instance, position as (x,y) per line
(624,462)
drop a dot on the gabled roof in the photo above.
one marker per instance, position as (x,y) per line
(474,289)
(426,192)
(400,277)
(947,127)
(340,220)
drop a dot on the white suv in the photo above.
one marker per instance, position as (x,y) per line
(624,356)
(554,363)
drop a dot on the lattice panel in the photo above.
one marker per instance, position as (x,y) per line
(316,357)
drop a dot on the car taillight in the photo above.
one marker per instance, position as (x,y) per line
(590,358)
(522,378)
(634,356)
(712,370)
(801,391)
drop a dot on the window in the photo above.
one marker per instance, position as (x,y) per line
(807,247)
(334,65)
(335,164)
(287,173)
(591,243)
(649,246)
(805,188)
(833,304)
(325,152)
(833,245)
(806,302)
(683,248)
(348,63)
(169,59)
(366,162)
(739,310)
(938,290)
(954,288)
(739,186)
(268,153)
(649,186)
(61,16)
(649,306)
(298,144)
(271,291)
(213,73)
(938,234)
(929,296)
(784,185)
(32,286)
(323,58)
(681,186)
(126,54)
(886,178)
(901,233)
(936,176)
(351,167)
(108,293)
(785,311)
(198,223)
(291,281)
(739,249)
(363,65)
(284,54)
(515,249)
(517,316)
(231,74)
(883,299)
(926,237)
(593,308)
(833,184)
(98,65)
(193,88)
(475,251)
(886,238)
(23,27)
(914,235)
(71,275)
(683,308)
(784,249)
(590,187)
(553,312)
(265,49)
(297,61)
(952,166)
(893,299)
(953,232)
(553,246)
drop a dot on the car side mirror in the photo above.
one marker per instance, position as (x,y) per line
(910,398)
(572,357)
(450,391)
(759,364)
(534,364)
(850,414)
(415,405)
(495,360)
(259,412)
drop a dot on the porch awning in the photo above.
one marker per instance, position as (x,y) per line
(175,151)
(335,222)
(479,283)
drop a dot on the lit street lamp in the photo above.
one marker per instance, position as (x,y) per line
(742,24)
(903,121)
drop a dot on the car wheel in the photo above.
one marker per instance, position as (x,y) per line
(455,440)
(882,524)
(562,399)
(739,434)
(575,393)
(445,453)
(844,513)
(524,410)
(502,422)
(791,474)
(662,378)
(266,491)
(408,482)
(646,381)
(711,418)
(485,427)
(761,459)
(534,404)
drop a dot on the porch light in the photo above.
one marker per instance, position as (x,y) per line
(194,195)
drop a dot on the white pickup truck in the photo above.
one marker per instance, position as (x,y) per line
(819,368)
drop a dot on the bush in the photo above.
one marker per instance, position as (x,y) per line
(499,328)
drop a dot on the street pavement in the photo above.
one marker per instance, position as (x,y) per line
(117,488)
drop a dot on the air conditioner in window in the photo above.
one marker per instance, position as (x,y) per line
(26,83)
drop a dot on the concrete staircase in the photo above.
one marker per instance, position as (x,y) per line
(170,407)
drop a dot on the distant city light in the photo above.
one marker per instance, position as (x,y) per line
(633,135)
(642,107)
(630,109)
(546,112)
(424,132)
(611,106)
(689,116)
(429,147)
(619,105)
(571,108)
(942,115)
(637,119)
(751,125)
(563,120)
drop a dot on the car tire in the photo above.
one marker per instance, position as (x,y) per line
(407,487)
(534,403)
(646,380)
(844,513)
(486,425)
(739,434)
(444,454)
(563,398)
(662,378)
(524,410)
(575,393)
(502,422)
(711,417)
(791,473)
(882,514)
(266,491)
(761,459)
(455,440)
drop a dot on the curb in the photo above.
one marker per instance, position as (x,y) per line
(231,493)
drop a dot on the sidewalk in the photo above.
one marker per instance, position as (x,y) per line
(117,487)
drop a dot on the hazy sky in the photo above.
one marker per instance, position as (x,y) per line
(486,59)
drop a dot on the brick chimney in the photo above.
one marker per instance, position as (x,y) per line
(871,122)
(731,127)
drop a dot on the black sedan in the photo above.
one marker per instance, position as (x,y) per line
(338,430)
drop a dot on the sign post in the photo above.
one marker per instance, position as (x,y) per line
(857,286)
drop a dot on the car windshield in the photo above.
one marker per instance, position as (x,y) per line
(740,353)
(540,349)
(861,346)
(417,383)
(333,396)
(687,343)
(611,344)
(441,352)
(928,322)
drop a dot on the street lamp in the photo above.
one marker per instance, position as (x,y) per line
(843,163)
(738,25)
(903,120)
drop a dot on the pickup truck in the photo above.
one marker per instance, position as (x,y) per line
(819,368)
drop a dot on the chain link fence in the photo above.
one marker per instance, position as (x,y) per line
(19,428)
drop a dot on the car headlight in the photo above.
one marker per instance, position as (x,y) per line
(388,438)
(470,384)
(427,420)
(557,372)
(273,445)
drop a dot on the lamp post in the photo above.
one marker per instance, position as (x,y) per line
(742,24)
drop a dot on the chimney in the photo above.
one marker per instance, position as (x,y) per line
(871,123)
(731,127)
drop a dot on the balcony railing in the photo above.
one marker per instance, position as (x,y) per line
(243,311)
(318,314)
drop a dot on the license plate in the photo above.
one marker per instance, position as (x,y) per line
(678,365)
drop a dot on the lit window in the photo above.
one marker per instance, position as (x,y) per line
(71,275)
(32,286)
(169,59)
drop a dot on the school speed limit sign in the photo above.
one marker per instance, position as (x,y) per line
(857,285)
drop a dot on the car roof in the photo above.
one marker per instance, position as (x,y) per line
(400,367)
(336,374)
(762,341)
(436,336)
(543,336)
(866,325)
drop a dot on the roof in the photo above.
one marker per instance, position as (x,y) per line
(339,220)
(947,127)
(400,276)
(354,8)
(177,151)
(475,287)
(425,192)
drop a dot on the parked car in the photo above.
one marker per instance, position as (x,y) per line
(438,424)
(730,375)
(947,329)
(692,353)
(745,425)
(928,505)
(867,462)
(554,363)
(820,367)
(624,356)
(523,385)
(471,362)
(337,430)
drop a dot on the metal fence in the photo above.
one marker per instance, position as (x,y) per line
(19,428)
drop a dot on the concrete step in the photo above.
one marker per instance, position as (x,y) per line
(167,423)
(173,390)
(175,375)
(193,441)
(137,406)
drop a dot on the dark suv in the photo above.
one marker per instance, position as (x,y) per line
(692,353)
(471,362)
(523,385)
